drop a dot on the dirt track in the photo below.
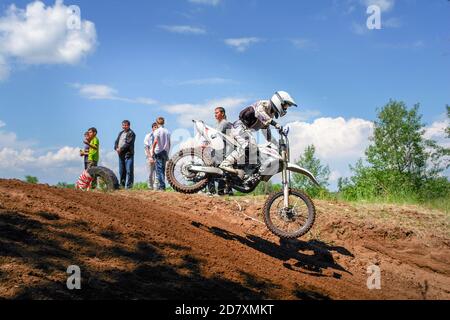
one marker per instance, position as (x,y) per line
(149,245)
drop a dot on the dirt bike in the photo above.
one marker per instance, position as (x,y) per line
(289,213)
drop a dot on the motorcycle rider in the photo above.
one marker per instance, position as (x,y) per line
(259,115)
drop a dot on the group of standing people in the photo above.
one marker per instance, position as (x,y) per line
(157,148)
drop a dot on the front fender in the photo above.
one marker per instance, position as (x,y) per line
(298,169)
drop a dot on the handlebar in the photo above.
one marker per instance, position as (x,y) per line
(283,131)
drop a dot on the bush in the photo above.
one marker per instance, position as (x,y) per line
(65,185)
(31,179)
(266,188)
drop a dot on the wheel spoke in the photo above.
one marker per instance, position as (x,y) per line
(288,220)
(181,178)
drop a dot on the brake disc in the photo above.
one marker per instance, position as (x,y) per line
(287,214)
(185,170)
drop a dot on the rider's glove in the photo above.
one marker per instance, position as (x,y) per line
(278,126)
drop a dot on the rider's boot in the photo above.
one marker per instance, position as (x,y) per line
(227,165)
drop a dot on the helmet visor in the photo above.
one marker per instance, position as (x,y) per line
(286,105)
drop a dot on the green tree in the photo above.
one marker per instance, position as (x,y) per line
(31,179)
(309,161)
(400,161)
(398,143)
(265,188)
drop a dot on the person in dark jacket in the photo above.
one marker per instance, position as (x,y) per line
(124,147)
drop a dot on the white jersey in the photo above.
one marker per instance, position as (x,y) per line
(262,113)
(162,135)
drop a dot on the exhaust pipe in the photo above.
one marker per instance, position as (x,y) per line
(209,170)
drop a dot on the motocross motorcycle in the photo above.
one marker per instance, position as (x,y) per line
(288,214)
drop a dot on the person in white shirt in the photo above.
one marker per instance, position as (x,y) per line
(161,149)
(152,182)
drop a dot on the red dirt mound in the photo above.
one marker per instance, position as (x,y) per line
(153,245)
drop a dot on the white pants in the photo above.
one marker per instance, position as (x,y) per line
(245,139)
(152,181)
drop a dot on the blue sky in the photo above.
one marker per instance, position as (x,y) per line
(138,60)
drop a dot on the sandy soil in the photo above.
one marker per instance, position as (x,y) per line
(153,245)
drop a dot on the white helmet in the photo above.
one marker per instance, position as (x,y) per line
(281,101)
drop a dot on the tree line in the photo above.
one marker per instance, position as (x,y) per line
(400,164)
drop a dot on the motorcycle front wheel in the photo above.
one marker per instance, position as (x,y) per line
(293,221)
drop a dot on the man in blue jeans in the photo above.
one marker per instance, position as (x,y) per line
(161,149)
(124,146)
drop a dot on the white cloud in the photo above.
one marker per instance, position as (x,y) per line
(339,142)
(436,131)
(184,29)
(333,137)
(7,139)
(96,91)
(204,111)
(385,5)
(2,124)
(206,2)
(39,34)
(13,159)
(60,157)
(104,92)
(242,44)
(26,159)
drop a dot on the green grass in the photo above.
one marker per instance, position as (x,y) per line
(139,186)
(65,185)
(441,204)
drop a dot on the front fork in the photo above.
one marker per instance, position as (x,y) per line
(285,180)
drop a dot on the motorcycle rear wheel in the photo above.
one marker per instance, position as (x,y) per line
(292,222)
(180,178)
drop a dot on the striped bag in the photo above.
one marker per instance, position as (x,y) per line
(84,181)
